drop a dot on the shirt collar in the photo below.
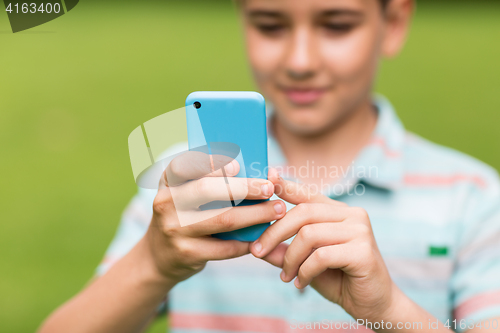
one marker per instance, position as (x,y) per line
(378,164)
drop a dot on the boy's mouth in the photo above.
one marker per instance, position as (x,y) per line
(303,96)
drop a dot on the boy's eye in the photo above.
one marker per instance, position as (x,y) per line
(338,27)
(270,28)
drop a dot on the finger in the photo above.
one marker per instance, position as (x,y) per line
(207,189)
(237,218)
(193,165)
(296,193)
(276,256)
(309,238)
(295,219)
(333,256)
(216,249)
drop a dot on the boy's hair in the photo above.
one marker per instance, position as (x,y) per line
(384,3)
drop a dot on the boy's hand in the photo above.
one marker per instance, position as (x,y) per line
(334,251)
(190,181)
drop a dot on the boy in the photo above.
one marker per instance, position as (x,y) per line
(434,213)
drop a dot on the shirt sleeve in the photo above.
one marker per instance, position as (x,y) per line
(476,279)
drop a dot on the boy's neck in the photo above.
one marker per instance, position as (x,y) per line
(336,147)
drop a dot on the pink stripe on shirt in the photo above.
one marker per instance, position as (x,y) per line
(477,303)
(438,180)
(243,323)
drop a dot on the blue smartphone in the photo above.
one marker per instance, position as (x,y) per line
(235,117)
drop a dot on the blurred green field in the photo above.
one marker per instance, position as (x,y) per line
(73,89)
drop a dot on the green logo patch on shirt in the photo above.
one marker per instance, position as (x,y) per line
(438,250)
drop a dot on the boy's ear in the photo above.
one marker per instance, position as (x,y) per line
(397,18)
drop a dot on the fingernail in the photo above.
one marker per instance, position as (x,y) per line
(296,283)
(257,246)
(230,168)
(278,208)
(265,189)
(282,275)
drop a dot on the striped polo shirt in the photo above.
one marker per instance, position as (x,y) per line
(435,214)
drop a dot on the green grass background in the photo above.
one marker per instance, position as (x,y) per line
(73,89)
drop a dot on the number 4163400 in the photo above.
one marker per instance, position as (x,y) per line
(32,8)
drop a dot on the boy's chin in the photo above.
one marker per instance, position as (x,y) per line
(309,128)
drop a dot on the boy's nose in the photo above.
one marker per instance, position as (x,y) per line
(302,58)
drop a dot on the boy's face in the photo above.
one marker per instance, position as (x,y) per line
(316,60)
